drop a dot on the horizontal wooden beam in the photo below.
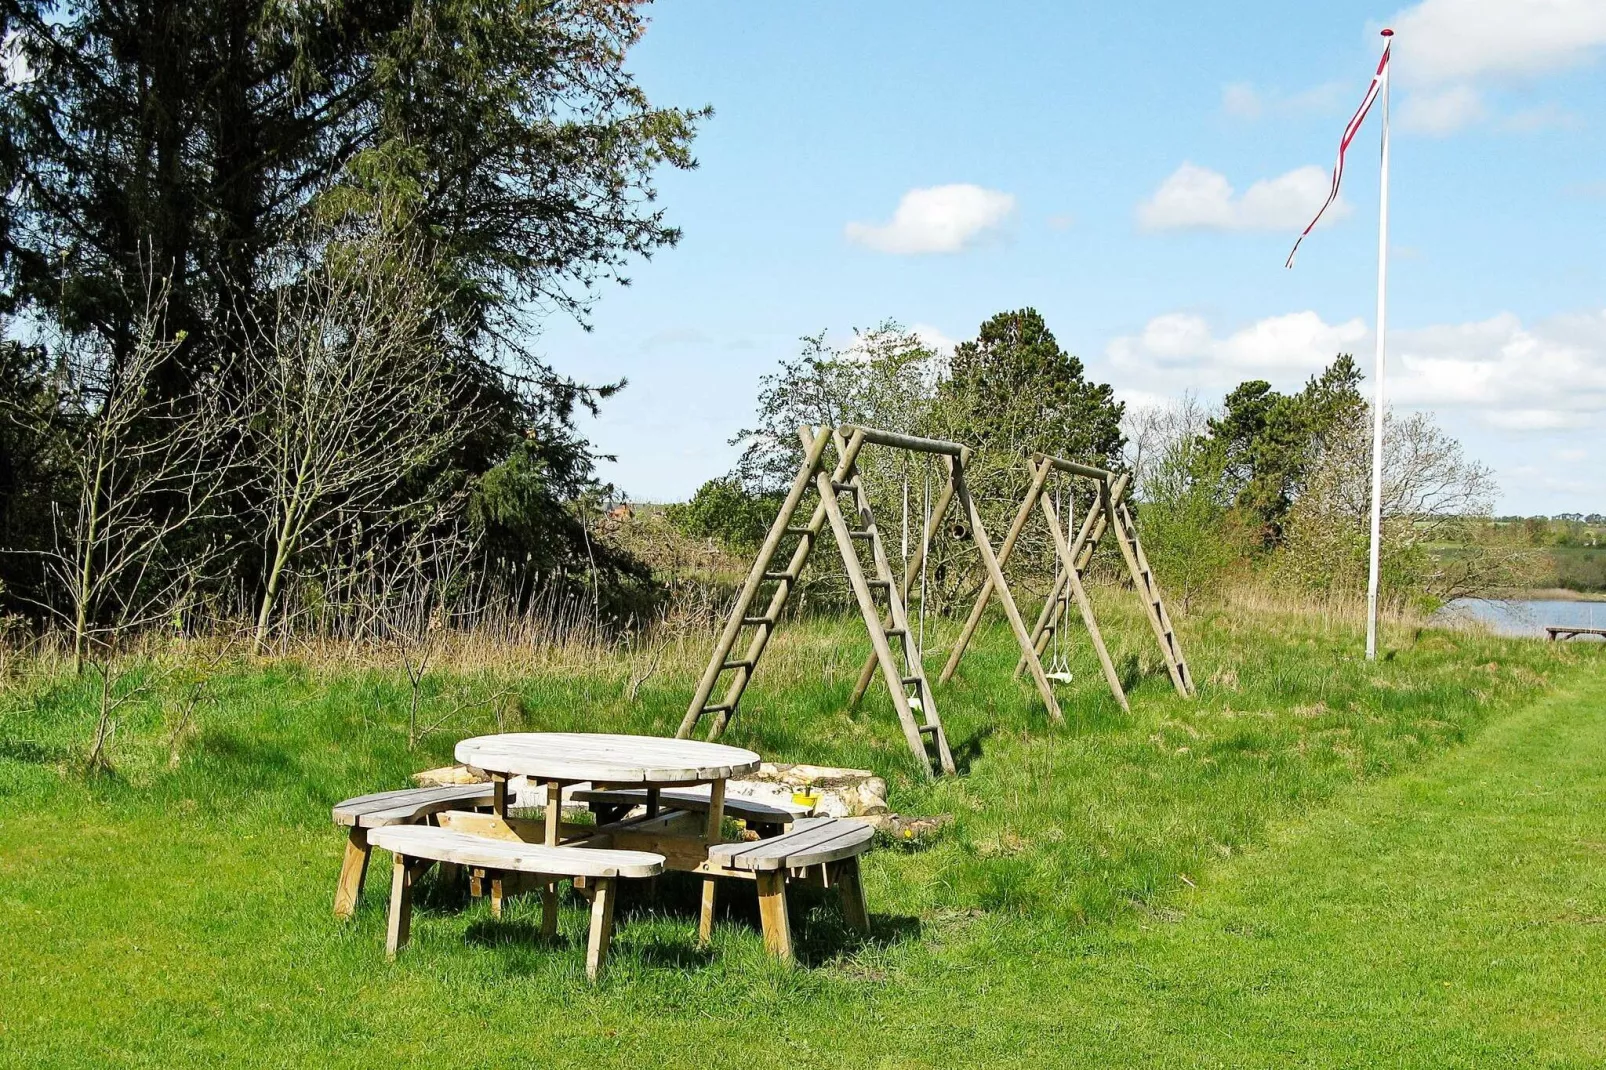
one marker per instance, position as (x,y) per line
(877,437)
(1073,468)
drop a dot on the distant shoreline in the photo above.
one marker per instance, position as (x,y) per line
(1545,594)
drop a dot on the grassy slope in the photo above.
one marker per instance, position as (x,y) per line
(1437,916)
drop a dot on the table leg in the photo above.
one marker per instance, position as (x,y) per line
(601,926)
(652,802)
(549,908)
(554,811)
(499,794)
(711,836)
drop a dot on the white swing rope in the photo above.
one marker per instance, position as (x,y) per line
(1059,667)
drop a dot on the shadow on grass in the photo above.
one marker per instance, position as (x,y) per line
(970,748)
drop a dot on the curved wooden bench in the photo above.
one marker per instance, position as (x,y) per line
(828,846)
(417,847)
(763,818)
(407,806)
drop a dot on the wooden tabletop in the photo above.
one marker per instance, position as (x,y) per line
(605,759)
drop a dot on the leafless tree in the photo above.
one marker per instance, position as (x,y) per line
(354,394)
(1429,486)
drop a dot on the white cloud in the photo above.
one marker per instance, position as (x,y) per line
(1197,198)
(1450,51)
(1179,351)
(937,219)
(1241,100)
(1463,40)
(1443,111)
(1244,101)
(1509,375)
(934,337)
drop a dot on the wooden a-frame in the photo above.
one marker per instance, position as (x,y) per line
(1110,511)
(900,673)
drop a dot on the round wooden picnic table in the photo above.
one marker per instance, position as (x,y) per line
(572,757)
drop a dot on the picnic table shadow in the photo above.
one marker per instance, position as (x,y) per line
(819,931)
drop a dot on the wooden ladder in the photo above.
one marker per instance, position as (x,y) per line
(909,671)
(1126,535)
(828,484)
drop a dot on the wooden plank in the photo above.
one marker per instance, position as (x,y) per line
(353,871)
(449,845)
(735,805)
(824,841)
(408,804)
(877,437)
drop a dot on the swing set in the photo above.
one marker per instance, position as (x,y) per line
(902,668)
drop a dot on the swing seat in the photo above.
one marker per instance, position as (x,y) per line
(914,703)
(1058,677)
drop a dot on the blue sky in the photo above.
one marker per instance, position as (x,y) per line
(1137,173)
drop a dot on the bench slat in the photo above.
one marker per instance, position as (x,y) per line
(747,809)
(445,845)
(819,840)
(408,804)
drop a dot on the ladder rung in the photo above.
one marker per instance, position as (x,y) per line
(718,708)
(900,632)
(758,620)
(930,729)
(780,576)
(796,531)
(864,533)
(842,488)
(907,680)
(736,665)
(878,583)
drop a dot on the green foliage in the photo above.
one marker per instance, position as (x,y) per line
(1189,536)
(1013,390)
(223,147)
(1268,440)
(1204,879)
(725,510)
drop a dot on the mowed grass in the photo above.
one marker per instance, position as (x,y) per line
(1305,865)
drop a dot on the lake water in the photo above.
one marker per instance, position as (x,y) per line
(1527,616)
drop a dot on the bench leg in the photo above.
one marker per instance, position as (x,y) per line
(401,906)
(602,898)
(353,869)
(549,909)
(498,893)
(772,911)
(851,888)
(705,916)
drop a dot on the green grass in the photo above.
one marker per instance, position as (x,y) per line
(1318,862)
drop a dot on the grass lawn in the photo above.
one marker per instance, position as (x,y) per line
(1319,862)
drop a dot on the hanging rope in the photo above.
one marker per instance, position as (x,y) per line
(1059,669)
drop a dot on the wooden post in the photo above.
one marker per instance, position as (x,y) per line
(983,547)
(711,836)
(872,619)
(1005,549)
(772,913)
(603,893)
(1068,562)
(939,510)
(1093,528)
(353,871)
(755,578)
(400,926)
(851,888)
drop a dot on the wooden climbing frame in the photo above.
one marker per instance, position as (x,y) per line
(901,670)
(1110,511)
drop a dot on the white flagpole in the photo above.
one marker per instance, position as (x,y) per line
(1377,387)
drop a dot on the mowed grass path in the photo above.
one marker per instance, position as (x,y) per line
(1450,914)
